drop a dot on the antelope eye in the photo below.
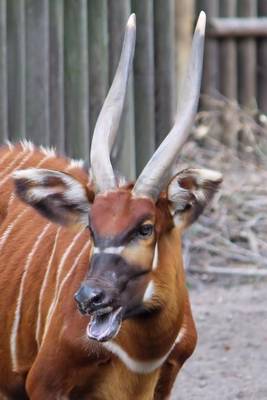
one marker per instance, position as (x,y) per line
(145,230)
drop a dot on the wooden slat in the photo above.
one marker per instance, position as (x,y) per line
(228,73)
(98,57)
(164,29)
(124,149)
(76,78)
(262,62)
(211,68)
(37,71)
(144,83)
(247,58)
(185,16)
(16,69)
(56,71)
(3,73)
(228,55)
(236,27)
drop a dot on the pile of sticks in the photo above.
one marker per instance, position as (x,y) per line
(233,230)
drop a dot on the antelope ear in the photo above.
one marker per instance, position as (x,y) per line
(189,192)
(56,195)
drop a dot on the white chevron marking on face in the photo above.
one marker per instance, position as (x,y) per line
(108,250)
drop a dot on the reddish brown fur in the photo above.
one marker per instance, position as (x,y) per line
(66,363)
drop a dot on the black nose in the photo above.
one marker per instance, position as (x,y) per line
(89,298)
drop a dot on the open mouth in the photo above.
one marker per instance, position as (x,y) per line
(105,323)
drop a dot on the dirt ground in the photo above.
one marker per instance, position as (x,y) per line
(230,361)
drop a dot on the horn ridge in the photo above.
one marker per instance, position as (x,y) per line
(107,123)
(156,173)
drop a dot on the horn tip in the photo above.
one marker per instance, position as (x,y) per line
(131,21)
(201,23)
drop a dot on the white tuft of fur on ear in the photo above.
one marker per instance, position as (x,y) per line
(204,175)
(189,192)
(56,195)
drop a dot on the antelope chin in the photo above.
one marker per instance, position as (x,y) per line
(104,324)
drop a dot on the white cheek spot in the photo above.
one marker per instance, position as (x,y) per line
(155,257)
(181,335)
(149,293)
(177,219)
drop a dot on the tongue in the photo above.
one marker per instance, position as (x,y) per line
(105,327)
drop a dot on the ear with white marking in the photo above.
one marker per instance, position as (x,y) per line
(189,192)
(56,195)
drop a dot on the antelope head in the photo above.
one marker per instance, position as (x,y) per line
(131,225)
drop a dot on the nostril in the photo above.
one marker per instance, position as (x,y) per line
(89,298)
(97,296)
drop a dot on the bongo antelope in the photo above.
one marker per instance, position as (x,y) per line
(93,301)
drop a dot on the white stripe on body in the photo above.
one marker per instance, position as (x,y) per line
(12,195)
(48,151)
(108,250)
(43,160)
(43,287)
(10,200)
(64,280)
(5,157)
(10,227)
(20,155)
(15,326)
(59,270)
(9,144)
(12,224)
(27,145)
(23,161)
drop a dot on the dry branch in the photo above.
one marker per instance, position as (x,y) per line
(233,231)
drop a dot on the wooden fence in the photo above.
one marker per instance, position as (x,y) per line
(58,57)
(236,50)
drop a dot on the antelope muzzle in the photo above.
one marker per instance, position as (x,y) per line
(112,292)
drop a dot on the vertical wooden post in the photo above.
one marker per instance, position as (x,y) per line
(185,16)
(3,72)
(262,62)
(228,75)
(144,83)
(123,151)
(211,71)
(247,58)
(165,91)
(76,78)
(37,71)
(56,71)
(98,57)
(228,55)
(16,69)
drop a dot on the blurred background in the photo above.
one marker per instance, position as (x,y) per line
(57,60)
